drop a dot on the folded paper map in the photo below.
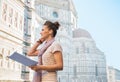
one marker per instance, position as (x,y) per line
(22,59)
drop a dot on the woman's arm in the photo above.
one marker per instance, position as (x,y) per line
(33,51)
(57,66)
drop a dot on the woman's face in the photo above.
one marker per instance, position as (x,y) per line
(45,33)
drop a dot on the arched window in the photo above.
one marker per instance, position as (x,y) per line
(55,14)
(4,12)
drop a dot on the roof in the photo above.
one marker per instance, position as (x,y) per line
(78,33)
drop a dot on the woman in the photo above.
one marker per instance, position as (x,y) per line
(49,56)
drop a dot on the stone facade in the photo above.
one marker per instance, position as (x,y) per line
(88,62)
(11,38)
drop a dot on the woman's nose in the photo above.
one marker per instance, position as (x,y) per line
(40,32)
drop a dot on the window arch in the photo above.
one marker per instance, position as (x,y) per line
(55,14)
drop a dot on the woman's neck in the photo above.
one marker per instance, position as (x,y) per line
(49,38)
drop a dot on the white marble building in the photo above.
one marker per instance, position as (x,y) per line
(11,38)
(88,62)
(113,74)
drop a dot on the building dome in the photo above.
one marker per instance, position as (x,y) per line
(78,33)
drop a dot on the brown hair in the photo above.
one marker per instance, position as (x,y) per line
(52,26)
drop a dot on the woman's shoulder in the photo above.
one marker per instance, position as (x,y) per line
(56,46)
(55,43)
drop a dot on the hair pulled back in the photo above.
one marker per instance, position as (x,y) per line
(52,26)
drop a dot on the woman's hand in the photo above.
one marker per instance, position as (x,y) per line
(35,68)
(41,40)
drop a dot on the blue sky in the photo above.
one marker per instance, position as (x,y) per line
(101,18)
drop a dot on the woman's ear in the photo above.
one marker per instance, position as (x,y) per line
(50,32)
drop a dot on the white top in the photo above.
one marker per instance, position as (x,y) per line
(48,59)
